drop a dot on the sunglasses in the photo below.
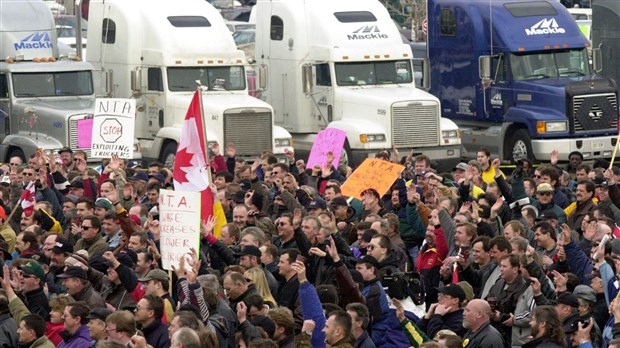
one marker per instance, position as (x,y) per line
(86,227)
(544,193)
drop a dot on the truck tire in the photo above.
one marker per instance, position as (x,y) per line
(16,152)
(519,146)
(168,154)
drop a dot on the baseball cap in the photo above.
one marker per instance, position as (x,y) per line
(33,268)
(99,313)
(547,215)
(600,182)
(73,272)
(265,323)
(62,246)
(567,298)
(339,202)
(76,183)
(250,250)
(65,149)
(103,203)
(453,290)
(369,260)
(70,198)
(317,204)
(544,187)
(460,166)
(159,177)
(140,175)
(585,292)
(134,164)
(155,274)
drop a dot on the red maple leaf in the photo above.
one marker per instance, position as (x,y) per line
(183,159)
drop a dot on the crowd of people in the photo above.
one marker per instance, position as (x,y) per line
(470,257)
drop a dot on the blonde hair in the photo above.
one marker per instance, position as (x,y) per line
(257,276)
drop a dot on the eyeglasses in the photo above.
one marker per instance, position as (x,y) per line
(544,193)
(13,164)
(86,227)
(28,174)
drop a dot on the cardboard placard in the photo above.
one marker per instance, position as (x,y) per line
(372,173)
(179,225)
(113,128)
(329,139)
(85,133)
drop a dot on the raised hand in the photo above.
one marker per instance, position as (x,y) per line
(554,157)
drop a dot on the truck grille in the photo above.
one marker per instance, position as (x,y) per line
(415,124)
(251,132)
(73,135)
(594,112)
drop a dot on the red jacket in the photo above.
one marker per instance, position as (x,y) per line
(433,257)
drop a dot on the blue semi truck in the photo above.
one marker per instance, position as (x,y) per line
(515,76)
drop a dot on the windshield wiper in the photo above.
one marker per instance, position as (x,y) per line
(578,72)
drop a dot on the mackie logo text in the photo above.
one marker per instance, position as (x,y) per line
(34,41)
(367,32)
(544,27)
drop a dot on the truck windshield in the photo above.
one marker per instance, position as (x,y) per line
(373,73)
(550,64)
(225,78)
(46,84)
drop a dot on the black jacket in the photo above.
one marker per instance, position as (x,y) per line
(450,321)
(156,334)
(486,337)
(541,343)
(37,303)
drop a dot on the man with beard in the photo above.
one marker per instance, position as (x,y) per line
(584,204)
(547,330)
(431,257)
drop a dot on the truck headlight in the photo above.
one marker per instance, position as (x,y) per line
(372,138)
(454,133)
(283,142)
(543,127)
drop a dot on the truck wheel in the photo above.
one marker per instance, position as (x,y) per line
(168,155)
(520,146)
(16,152)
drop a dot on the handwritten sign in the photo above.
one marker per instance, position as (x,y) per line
(372,173)
(113,128)
(329,139)
(179,225)
(85,133)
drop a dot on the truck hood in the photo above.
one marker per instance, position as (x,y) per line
(59,106)
(553,86)
(382,95)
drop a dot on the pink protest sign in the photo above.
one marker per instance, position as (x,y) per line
(329,139)
(85,133)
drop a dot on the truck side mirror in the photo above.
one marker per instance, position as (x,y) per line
(307,78)
(597,60)
(484,67)
(262,77)
(426,74)
(136,80)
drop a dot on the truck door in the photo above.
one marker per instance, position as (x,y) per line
(323,96)
(155,101)
(499,96)
(4,105)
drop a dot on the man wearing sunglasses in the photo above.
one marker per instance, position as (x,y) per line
(544,194)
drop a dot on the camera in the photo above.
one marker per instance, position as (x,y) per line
(401,285)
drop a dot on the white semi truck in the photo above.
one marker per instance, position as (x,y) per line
(42,95)
(342,64)
(155,51)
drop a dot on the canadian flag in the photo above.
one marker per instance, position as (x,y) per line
(190,166)
(27,199)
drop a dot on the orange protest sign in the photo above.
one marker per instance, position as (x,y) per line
(372,173)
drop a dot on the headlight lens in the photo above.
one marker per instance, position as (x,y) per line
(551,127)
(283,142)
(454,133)
(372,138)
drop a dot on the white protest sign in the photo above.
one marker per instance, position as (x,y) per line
(179,225)
(113,128)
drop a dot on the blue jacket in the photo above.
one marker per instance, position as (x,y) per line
(311,309)
(578,262)
(156,334)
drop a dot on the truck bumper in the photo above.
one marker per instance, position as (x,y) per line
(591,148)
(443,158)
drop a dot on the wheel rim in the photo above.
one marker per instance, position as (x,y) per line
(519,150)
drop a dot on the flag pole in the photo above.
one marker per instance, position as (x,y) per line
(19,203)
(613,156)
(204,130)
